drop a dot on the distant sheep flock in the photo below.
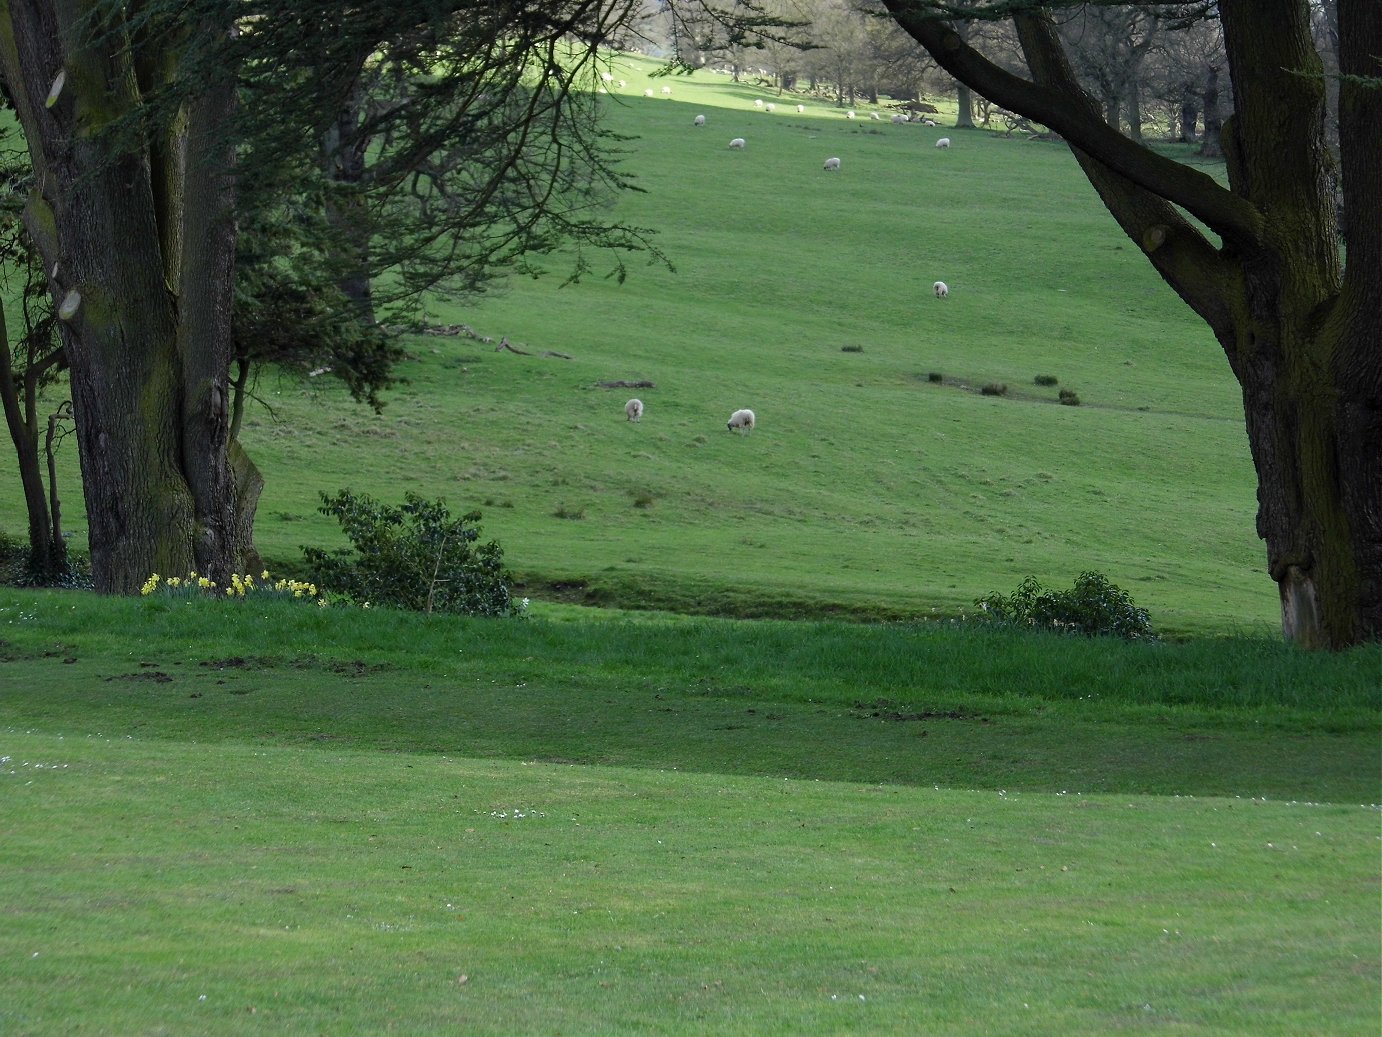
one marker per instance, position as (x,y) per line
(743,420)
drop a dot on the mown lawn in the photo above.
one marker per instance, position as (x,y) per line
(227,817)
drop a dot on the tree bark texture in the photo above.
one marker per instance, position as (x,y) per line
(136,223)
(1301,331)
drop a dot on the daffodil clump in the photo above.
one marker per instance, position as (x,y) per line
(240,586)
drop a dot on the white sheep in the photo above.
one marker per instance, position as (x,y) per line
(801,108)
(666,91)
(832,164)
(740,419)
(770,107)
(849,115)
(929,122)
(758,104)
(634,410)
(944,142)
(899,118)
(941,289)
(622,84)
(875,115)
(737,143)
(698,120)
(648,92)
(606,77)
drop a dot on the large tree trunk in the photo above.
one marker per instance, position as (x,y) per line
(1135,108)
(1210,146)
(964,111)
(1189,116)
(139,239)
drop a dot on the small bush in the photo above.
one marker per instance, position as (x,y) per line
(563,512)
(995,389)
(1069,398)
(412,557)
(934,376)
(1046,379)
(1094,606)
(643,500)
(851,349)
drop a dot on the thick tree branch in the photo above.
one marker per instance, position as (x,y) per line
(1210,284)
(1069,115)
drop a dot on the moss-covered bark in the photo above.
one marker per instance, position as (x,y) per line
(149,346)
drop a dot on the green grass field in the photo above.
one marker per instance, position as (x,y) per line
(226,817)
(865,489)
(237,817)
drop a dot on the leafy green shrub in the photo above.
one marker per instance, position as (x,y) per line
(851,349)
(412,557)
(1046,379)
(1069,399)
(1093,606)
(995,389)
(934,376)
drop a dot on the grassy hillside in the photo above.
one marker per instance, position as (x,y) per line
(866,487)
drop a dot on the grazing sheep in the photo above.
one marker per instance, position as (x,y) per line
(698,120)
(801,108)
(648,92)
(737,143)
(666,91)
(832,164)
(622,84)
(929,122)
(944,142)
(770,107)
(875,115)
(941,289)
(607,77)
(740,419)
(849,115)
(634,410)
(899,118)
(758,104)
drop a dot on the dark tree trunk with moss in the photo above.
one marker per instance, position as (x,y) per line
(1301,332)
(136,229)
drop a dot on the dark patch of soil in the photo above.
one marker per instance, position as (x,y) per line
(883,709)
(237,662)
(355,668)
(157,676)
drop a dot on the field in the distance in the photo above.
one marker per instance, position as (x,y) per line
(865,488)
